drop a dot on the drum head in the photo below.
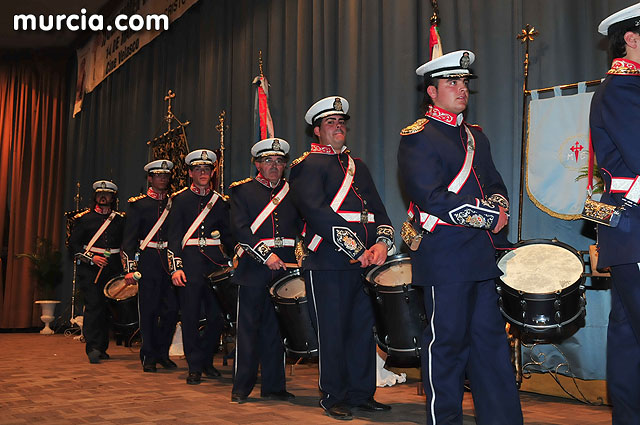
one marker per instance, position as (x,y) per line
(540,268)
(291,289)
(396,271)
(223,274)
(117,289)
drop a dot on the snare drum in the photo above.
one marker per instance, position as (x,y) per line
(542,289)
(289,296)
(226,292)
(123,302)
(398,310)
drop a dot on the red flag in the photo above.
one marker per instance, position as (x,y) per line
(435,45)
(262,122)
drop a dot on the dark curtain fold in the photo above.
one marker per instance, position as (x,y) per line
(33,106)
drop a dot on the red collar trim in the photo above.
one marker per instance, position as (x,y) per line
(155,195)
(266,182)
(446,117)
(624,67)
(197,191)
(325,149)
(99,210)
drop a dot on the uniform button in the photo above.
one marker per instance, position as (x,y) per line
(202,227)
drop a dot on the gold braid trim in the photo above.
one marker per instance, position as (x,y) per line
(135,198)
(239,182)
(180,191)
(414,128)
(299,159)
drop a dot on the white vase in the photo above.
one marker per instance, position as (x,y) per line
(48,308)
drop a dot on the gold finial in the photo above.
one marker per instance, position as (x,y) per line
(220,127)
(435,20)
(527,34)
(260,62)
(77,198)
(170,95)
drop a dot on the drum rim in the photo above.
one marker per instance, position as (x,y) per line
(108,284)
(555,242)
(392,259)
(225,272)
(543,328)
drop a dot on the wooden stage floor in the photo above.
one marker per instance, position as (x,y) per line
(48,380)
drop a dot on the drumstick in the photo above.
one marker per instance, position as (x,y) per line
(106,255)
(291,265)
(136,277)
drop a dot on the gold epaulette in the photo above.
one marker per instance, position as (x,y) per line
(239,182)
(475,126)
(225,198)
(299,159)
(414,128)
(81,213)
(180,191)
(135,198)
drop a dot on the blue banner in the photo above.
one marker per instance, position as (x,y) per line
(557,151)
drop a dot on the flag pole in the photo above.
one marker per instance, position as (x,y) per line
(221,128)
(526,35)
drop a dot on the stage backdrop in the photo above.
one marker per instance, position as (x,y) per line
(364,50)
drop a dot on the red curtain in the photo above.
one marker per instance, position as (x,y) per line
(33,108)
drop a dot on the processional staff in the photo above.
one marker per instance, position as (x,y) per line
(221,128)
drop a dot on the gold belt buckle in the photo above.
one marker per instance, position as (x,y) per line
(278,242)
(364,217)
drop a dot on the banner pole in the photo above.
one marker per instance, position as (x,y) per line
(525,36)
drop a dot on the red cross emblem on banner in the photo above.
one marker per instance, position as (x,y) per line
(576,149)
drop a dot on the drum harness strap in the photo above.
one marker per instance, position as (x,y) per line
(269,208)
(89,247)
(155,228)
(427,221)
(260,219)
(349,216)
(199,219)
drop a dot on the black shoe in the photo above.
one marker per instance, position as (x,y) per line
(194,378)
(94,356)
(210,371)
(149,367)
(104,356)
(339,411)
(373,406)
(167,363)
(238,398)
(278,395)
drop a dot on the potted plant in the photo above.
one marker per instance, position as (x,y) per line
(46,268)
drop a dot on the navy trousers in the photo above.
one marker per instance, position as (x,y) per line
(342,315)
(157,306)
(197,296)
(465,335)
(258,343)
(623,345)
(95,326)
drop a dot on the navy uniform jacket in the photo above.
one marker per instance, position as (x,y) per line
(615,129)
(143,213)
(195,259)
(315,180)
(249,198)
(459,248)
(85,226)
